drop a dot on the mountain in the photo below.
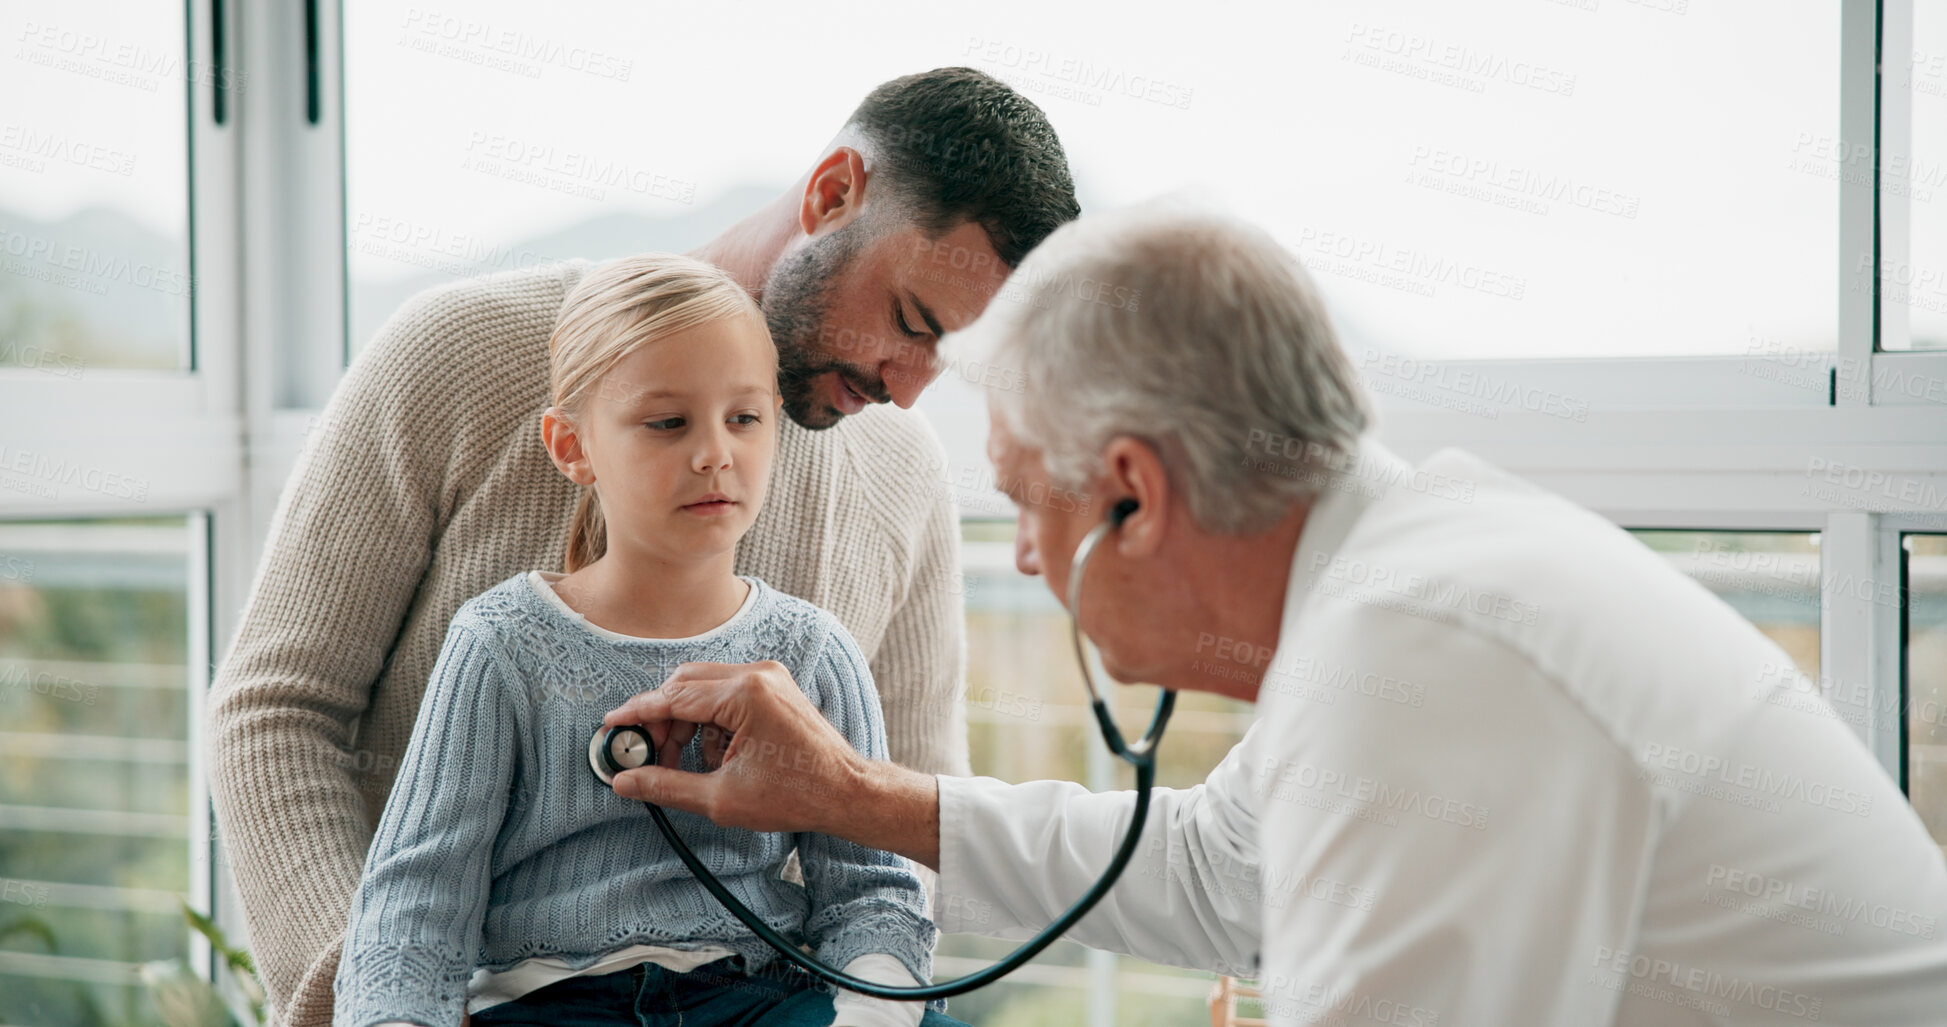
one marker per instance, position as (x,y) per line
(96,287)
(99,289)
(375,296)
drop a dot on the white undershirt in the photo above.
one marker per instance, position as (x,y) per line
(488,988)
(544,581)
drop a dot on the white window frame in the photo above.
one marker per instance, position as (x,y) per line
(179,431)
(1654,452)
(1699,443)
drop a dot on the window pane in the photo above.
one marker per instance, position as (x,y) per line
(94,238)
(94,800)
(1770,577)
(1495,179)
(1028,718)
(1926,680)
(1921,282)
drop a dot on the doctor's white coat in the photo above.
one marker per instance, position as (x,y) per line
(1509,768)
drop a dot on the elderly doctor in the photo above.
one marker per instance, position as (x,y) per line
(1508,767)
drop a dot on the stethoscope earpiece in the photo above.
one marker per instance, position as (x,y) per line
(616,749)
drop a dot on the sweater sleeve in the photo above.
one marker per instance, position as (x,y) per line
(923,660)
(863,900)
(349,541)
(414,934)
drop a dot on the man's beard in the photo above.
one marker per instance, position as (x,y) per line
(797,297)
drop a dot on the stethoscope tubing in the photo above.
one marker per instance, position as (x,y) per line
(1141,755)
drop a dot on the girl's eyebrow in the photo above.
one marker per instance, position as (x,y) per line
(637,396)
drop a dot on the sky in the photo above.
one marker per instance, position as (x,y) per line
(1517,178)
(1522,178)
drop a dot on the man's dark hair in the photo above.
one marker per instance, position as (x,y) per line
(959,145)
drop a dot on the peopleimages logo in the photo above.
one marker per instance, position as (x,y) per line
(1359,581)
(1420,56)
(1702,983)
(62,472)
(1092,79)
(17,678)
(1754,780)
(1327,461)
(424,27)
(1410,269)
(1279,777)
(87,269)
(25,893)
(1844,909)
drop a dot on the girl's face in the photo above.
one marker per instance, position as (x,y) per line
(678,439)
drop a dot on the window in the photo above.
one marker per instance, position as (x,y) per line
(1028,718)
(1917,284)
(122,480)
(1507,181)
(94,227)
(1771,578)
(95,801)
(1540,234)
(1926,680)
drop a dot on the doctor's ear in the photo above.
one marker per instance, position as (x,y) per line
(563,442)
(1136,478)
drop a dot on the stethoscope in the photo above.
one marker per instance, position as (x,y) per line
(628,746)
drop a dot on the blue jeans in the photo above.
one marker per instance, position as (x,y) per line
(647,995)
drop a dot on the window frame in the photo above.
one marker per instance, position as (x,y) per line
(1702,443)
(1668,442)
(180,431)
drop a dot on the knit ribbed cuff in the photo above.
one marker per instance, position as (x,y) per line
(386,982)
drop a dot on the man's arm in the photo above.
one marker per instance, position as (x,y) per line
(921,664)
(348,544)
(771,724)
(1012,857)
(868,911)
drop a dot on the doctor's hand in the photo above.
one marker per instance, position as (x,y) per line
(768,749)
(777,763)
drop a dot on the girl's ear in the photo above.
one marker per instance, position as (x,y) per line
(563,443)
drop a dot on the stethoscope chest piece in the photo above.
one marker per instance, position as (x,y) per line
(615,749)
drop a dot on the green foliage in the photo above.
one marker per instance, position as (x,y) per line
(182,999)
(241,968)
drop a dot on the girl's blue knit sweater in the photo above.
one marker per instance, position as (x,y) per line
(498,843)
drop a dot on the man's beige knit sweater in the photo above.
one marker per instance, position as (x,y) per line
(424,484)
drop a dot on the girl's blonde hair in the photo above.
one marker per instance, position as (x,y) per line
(618,308)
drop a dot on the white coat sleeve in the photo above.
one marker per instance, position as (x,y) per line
(1014,857)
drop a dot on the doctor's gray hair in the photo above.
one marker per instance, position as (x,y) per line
(1186,328)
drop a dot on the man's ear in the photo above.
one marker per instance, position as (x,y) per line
(1135,471)
(563,443)
(835,192)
